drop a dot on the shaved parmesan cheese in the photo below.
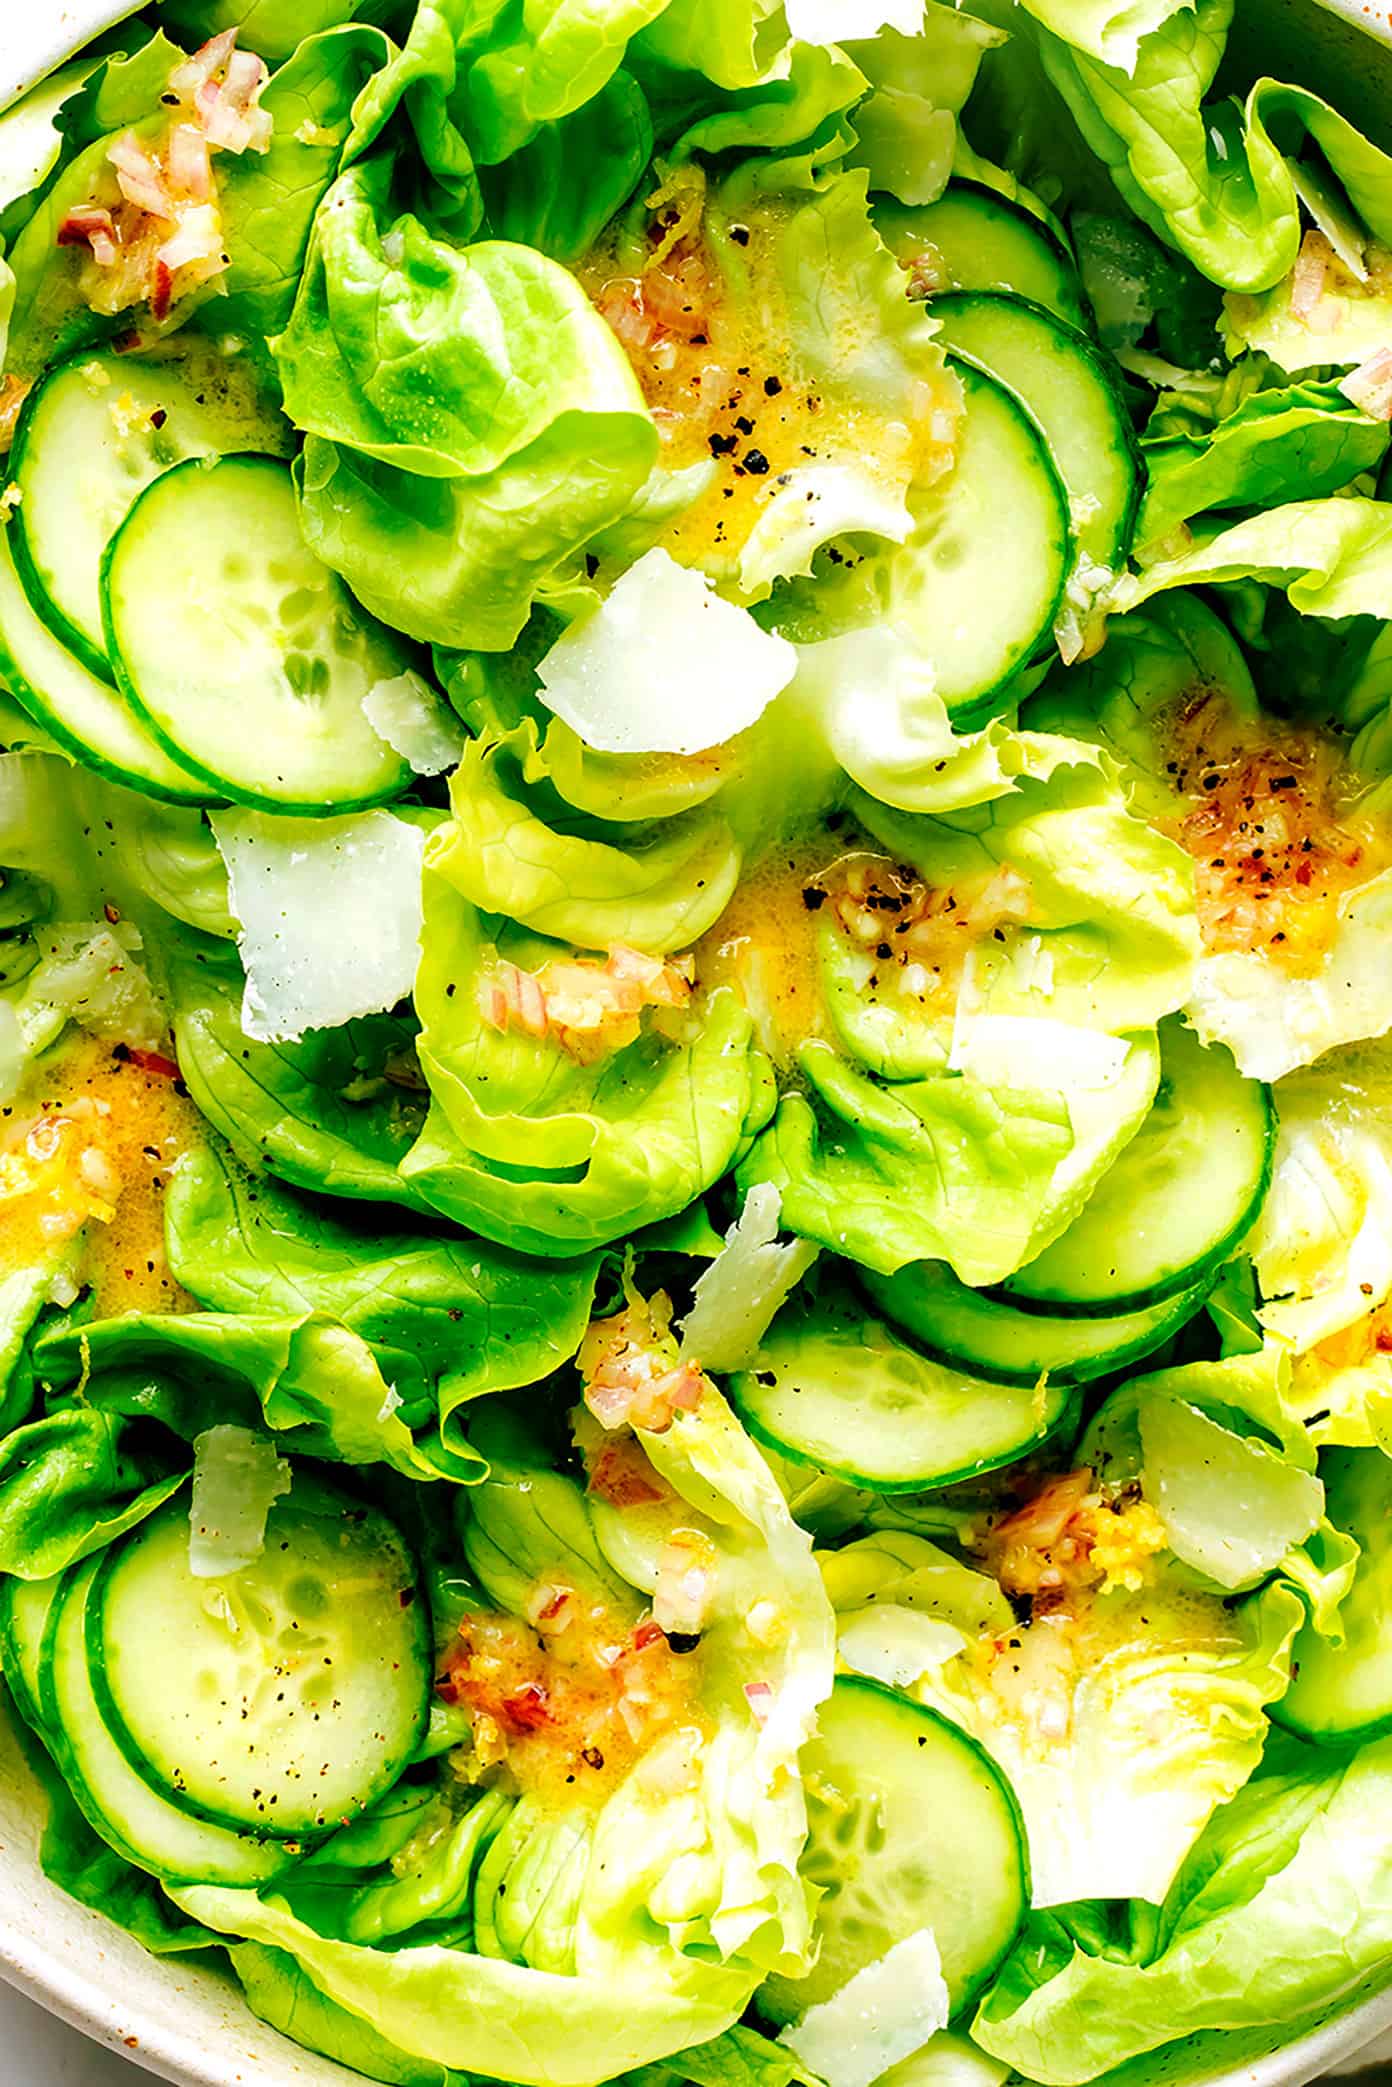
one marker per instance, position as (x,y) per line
(882,2015)
(835,21)
(747,1283)
(237,1479)
(415,722)
(895,1644)
(664,666)
(329,913)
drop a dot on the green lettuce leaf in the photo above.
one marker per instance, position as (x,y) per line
(540,1151)
(656,888)
(1305,440)
(472,419)
(1208,177)
(307,1378)
(444,361)
(270,199)
(1108,30)
(1320,1245)
(906,127)
(465,2012)
(262,26)
(1332,558)
(1272,1017)
(1014,1100)
(1123,1726)
(335,1112)
(739,44)
(533,198)
(280,1991)
(458,1317)
(73,1481)
(1346,323)
(1287,1908)
(477,83)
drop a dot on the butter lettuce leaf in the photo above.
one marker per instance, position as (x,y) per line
(1293,1877)
(1013,1099)
(1207,176)
(454,1315)
(336,1112)
(539,1150)
(1297,441)
(1122,1727)
(473,421)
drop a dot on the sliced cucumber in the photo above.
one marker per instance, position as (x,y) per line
(294,1692)
(1176,1204)
(1343,1693)
(246,656)
(25,1606)
(91,437)
(118,1804)
(975,1331)
(836,1390)
(86,716)
(976,586)
(974,239)
(1066,386)
(981,578)
(910,1825)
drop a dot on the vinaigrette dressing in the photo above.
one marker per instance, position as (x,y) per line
(88,1149)
(719,368)
(1274,829)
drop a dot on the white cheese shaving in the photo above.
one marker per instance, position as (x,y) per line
(237,1479)
(882,2015)
(748,1282)
(664,666)
(329,913)
(415,722)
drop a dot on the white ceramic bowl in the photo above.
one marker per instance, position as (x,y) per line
(190,2025)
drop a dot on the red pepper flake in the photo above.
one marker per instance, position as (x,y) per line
(153,1062)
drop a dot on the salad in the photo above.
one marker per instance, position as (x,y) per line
(696,1031)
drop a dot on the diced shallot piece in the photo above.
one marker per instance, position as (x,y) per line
(1370,385)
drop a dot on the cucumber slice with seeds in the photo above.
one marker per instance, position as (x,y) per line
(1176,1204)
(297,1689)
(972,1330)
(86,716)
(974,239)
(1066,386)
(910,1825)
(93,434)
(243,652)
(978,583)
(130,1815)
(841,1392)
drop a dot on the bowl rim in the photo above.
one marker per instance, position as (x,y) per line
(61,1983)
